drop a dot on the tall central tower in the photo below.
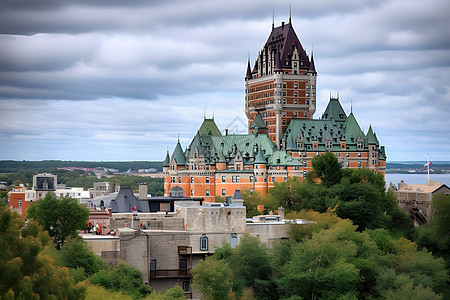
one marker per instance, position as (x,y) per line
(282,84)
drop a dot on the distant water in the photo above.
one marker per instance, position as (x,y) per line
(416,178)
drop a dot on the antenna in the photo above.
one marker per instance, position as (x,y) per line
(351,105)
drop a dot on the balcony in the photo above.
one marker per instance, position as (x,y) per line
(184,250)
(174,273)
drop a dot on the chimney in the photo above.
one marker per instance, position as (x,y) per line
(143,191)
(226,131)
(282,25)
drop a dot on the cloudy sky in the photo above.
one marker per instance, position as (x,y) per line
(121,80)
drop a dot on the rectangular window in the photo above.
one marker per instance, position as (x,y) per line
(295,94)
(223,192)
(20,203)
(179,179)
(223,178)
(203,243)
(192,193)
(307,94)
(295,86)
(164,206)
(238,179)
(207,179)
(192,179)
(284,85)
(206,192)
(274,179)
(186,286)
(251,178)
(295,101)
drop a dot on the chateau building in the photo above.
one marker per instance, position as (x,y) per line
(282,84)
(283,138)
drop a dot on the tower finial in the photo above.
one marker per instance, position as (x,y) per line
(204,113)
(338,95)
(273,19)
(213,113)
(351,105)
(290,13)
(178,136)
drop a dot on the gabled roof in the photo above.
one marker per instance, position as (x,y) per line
(352,129)
(125,201)
(178,155)
(334,111)
(209,127)
(258,122)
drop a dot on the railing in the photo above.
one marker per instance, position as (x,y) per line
(177,273)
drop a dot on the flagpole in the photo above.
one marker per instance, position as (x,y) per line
(428,166)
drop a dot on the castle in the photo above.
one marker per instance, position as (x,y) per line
(283,137)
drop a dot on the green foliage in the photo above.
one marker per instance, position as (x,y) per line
(327,168)
(10,166)
(175,293)
(213,278)
(76,254)
(26,273)
(61,217)
(252,200)
(3,198)
(247,266)
(95,292)
(122,278)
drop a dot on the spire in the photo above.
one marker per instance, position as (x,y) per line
(166,161)
(178,154)
(312,66)
(249,72)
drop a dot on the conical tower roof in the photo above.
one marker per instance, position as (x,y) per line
(312,65)
(178,155)
(248,75)
(371,138)
(259,158)
(166,161)
(258,122)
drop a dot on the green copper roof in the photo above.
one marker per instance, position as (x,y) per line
(166,161)
(259,122)
(281,158)
(259,158)
(245,143)
(178,155)
(371,138)
(334,111)
(209,127)
(352,129)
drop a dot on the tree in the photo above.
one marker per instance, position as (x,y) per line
(122,278)
(327,168)
(175,293)
(213,278)
(61,217)
(25,273)
(76,254)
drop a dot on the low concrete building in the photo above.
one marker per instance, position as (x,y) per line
(415,199)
